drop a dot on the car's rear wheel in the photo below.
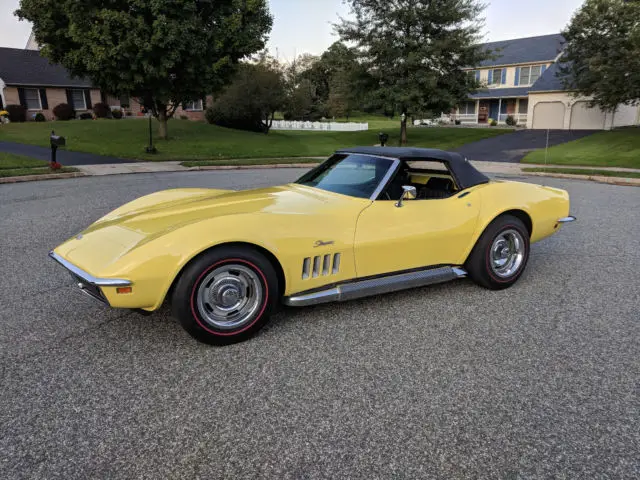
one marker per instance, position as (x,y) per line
(501,254)
(226,295)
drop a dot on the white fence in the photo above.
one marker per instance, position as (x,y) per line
(319,126)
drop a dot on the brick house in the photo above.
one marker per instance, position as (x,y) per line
(29,79)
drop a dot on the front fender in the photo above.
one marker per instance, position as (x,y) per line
(154,266)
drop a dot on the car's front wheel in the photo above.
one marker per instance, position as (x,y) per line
(226,295)
(501,254)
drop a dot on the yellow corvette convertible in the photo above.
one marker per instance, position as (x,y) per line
(367,221)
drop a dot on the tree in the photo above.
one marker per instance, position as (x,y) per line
(163,52)
(302,102)
(342,97)
(251,100)
(415,51)
(602,53)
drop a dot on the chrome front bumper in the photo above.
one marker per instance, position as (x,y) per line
(568,219)
(88,283)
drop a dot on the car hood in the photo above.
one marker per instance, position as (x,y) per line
(147,218)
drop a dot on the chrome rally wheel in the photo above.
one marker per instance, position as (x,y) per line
(501,253)
(225,295)
(229,297)
(507,253)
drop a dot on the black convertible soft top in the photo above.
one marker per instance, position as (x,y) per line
(464,173)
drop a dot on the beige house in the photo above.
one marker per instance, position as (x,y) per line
(521,81)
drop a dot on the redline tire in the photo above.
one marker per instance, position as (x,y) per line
(500,255)
(225,295)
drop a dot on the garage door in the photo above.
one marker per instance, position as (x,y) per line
(548,115)
(585,118)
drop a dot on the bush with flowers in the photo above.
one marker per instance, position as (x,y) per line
(4,116)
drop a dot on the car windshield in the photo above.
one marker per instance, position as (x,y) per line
(353,175)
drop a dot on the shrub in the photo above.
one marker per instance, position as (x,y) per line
(511,121)
(184,117)
(493,122)
(17,113)
(40,117)
(458,122)
(64,112)
(102,110)
(117,114)
(86,116)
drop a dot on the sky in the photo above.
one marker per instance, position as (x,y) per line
(305,26)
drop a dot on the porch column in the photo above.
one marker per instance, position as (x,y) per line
(478,112)
(516,112)
(499,110)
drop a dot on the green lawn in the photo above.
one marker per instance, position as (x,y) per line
(11,161)
(586,171)
(200,141)
(616,148)
(17,165)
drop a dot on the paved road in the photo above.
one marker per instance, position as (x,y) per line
(67,158)
(451,381)
(513,147)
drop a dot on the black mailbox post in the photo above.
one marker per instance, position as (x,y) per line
(384,138)
(56,141)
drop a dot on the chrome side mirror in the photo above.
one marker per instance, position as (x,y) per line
(408,193)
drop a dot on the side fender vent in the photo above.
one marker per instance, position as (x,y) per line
(320,266)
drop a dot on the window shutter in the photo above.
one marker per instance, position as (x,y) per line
(517,82)
(70,98)
(87,99)
(490,76)
(542,69)
(477,75)
(504,76)
(21,97)
(43,99)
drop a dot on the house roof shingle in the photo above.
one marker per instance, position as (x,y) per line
(501,92)
(524,50)
(28,67)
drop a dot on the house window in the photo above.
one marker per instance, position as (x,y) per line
(471,74)
(32,97)
(496,78)
(78,100)
(529,75)
(195,105)
(468,108)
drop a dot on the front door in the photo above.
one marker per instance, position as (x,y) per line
(421,233)
(494,109)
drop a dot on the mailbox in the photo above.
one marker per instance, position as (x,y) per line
(57,140)
(384,138)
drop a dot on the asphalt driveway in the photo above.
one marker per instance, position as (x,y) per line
(513,147)
(65,157)
(451,381)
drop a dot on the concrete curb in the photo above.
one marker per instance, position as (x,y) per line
(627,182)
(254,167)
(47,176)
